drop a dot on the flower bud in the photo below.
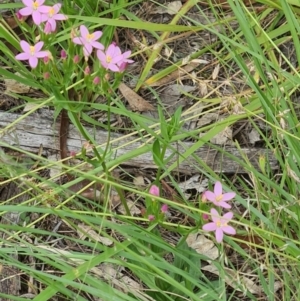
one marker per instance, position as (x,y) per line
(46,75)
(63,54)
(87,70)
(46,59)
(164,208)
(96,80)
(48,28)
(73,33)
(151,217)
(123,66)
(19,16)
(76,59)
(72,153)
(154,190)
(203,197)
(205,216)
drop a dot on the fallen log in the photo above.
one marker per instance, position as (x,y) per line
(39,129)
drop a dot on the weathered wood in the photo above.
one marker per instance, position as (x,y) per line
(35,130)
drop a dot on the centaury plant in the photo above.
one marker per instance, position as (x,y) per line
(90,232)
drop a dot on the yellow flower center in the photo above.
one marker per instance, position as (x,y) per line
(51,12)
(35,5)
(221,224)
(108,58)
(90,36)
(219,198)
(32,50)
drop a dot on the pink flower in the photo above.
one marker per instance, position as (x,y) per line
(88,40)
(51,15)
(219,224)
(31,53)
(164,208)
(154,190)
(33,8)
(218,198)
(111,58)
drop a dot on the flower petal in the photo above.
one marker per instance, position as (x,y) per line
(218,188)
(25,46)
(40,2)
(22,56)
(33,61)
(26,11)
(52,22)
(101,55)
(113,67)
(228,196)
(126,54)
(97,35)
(210,196)
(219,235)
(45,9)
(60,17)
(227,216)
(41,54)
(97,45)
(209,227)
(37,17)
(222,204)
(78,41)
(56,7)
(229,230)
(44,18)
(87,49)
(116,59)
(117,51)
(83,31)
(38,46)
(214,215)
(110,50)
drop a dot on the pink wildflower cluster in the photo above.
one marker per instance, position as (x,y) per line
(219,223)
(111,58)
(42,14)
